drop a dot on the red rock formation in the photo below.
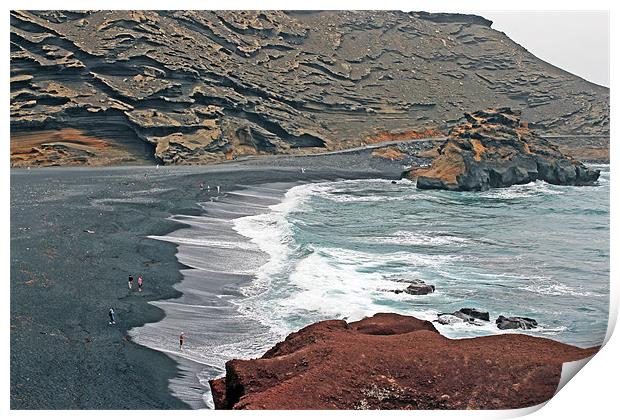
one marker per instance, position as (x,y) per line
(390,361)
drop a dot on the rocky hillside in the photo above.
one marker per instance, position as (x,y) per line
(391,361)
(195,87)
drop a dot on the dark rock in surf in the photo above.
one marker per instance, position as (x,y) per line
(494,148)
(515,322)
(475,313)
(420,289)
(416,287)
(469,315)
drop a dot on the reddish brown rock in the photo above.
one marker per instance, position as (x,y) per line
(390,361)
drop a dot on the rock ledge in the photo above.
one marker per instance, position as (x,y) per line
(390,361)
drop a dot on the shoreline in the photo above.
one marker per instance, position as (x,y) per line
(108,364)
(205,246)
(216,245)
(209,286)
(88,364)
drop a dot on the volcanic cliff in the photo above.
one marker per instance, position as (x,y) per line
(185,87)
(391,361)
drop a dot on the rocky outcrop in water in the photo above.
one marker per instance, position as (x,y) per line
(185,87)
(515,322)
(494,148)
(470,315)
(416,287)
(390,361)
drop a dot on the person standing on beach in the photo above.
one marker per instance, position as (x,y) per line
(130,281)
(139,283)
(112,316)
(181,339)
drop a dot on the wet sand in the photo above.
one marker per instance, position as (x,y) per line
(76,234)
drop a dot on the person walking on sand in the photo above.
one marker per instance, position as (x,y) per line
(139,283)
(112,316)
(181,339)
(130,282)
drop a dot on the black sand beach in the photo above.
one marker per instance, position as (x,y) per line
(76,234)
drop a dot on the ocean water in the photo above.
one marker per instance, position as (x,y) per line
(271,259)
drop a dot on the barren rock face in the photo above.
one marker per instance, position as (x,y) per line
(494,148)
(200,86)
(391,361)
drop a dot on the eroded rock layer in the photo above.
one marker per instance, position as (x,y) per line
(202,86)
(391,361)
(494,148)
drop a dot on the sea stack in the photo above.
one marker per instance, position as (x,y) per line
(494,148)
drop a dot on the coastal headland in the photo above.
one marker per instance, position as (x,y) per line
(390,361)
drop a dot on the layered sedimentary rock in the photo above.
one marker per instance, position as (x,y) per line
(188,87)
(494,148)
(391,361)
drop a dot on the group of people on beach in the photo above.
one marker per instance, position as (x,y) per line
(140,283)
(112,314)
(202,187)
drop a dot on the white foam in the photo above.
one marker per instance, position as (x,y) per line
(209,243)
(549,287)
(403,237)
(532,189)
(271,232)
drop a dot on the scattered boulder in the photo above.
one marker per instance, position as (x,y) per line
(469,315)
(449,319)
(420,289)
(475,313)
(493,148)
(416,287)
(515,322)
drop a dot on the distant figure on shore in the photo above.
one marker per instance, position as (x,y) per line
(303,170)
(130,282)
(181,339)
(218,189)
(202,186)
(112,316)
(139,283)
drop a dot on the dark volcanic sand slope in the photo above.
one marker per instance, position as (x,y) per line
(391,361)
(202,86)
